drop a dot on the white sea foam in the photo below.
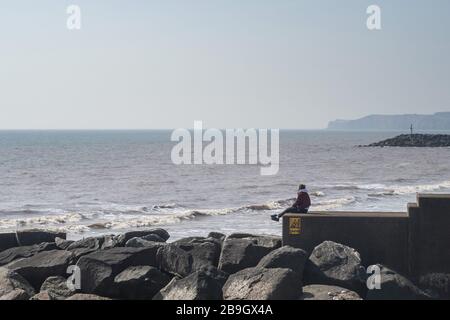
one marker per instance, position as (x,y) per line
(332,204)
(382,189)
(113,216)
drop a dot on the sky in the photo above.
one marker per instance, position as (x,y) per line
(148,64)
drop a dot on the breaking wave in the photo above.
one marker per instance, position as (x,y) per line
(378,190)
(332,204)
(122,217)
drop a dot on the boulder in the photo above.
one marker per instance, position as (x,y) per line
(42,265)
(91,297)
(241,253)
(99,268)
(204,252)
(85,246)
(197,286)
(57,288)
(218,275)
(43,295)
(332,263)
(394,286)
(97,277)
(63,243)
(262,284)
(153,237)
(142,243)
(12,254)
(8,240)
(110,241)
(188,240)
(34,236)
(13,286)
(268,241)
(437,285)
(175,260)
(140,282)
(16,294)
(324,292)
(123,238)
(92,243)
(285,257)
(217,235)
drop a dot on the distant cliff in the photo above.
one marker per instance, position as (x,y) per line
(437,121)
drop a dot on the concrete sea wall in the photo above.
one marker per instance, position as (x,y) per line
(415,242)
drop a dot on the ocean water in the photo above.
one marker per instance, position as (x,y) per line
(100,182)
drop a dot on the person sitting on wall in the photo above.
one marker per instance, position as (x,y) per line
(301,205)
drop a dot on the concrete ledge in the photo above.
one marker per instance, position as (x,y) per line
(355,214)
(415,242)
(379,237)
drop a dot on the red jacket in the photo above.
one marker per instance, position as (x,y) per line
(303,200)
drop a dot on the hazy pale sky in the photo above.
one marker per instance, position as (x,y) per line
(231,63)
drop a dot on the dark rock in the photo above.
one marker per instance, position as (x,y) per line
(85,246)
(140,282)
(324,292)
(394,286)
(12,254)
(8,240)
(204,253)
(332,263)
(91,297)
(34,236)
(241,253)
(153,237)
(240,235)
(123,238)
(97,277)
(142,243)
(42,265)
(80,252)
(197,286)
(99,268)
(43,295)
(87,243)
(63,243)
(286,257)
(415,140)
(268,241)
(262,284)
(111,241)
(57,288)
(188,240)
(436,285)
(175,260)
(163,234)
(13,286)
(16,294)
(218,275)
(217,235)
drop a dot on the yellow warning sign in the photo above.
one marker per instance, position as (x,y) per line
(294,225)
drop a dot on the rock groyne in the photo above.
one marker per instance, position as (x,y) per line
(143,265)
(414,140)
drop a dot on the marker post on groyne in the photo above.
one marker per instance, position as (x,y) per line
(415,242)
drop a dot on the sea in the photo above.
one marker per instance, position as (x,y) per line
(90,183)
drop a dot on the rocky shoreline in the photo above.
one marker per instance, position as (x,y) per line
(414,140)
(143,265)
